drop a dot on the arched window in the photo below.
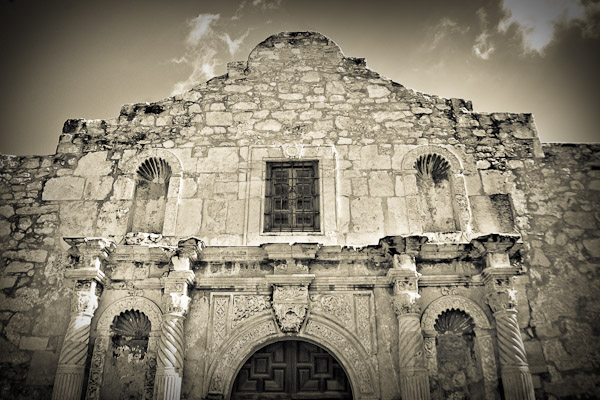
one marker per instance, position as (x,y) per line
(150,200)
(459,374)
(435,193)
(128,372)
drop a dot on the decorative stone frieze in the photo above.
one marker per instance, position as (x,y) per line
(414,380)
(88,255)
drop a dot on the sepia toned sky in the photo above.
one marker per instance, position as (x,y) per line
(84,59)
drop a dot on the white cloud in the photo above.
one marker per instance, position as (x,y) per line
(234,45)
(199,27)
(209,40)
(536,19)
(445,28)
(483,47)
(267,4)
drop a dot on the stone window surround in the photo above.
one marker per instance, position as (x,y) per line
(461,206)
(257,170)
(130,168)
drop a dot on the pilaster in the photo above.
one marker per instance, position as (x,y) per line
(88,255)
(169,371)
(414,378)
(501,297)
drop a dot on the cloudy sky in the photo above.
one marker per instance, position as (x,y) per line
(83,59)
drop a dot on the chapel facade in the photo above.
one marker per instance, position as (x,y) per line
(301,227)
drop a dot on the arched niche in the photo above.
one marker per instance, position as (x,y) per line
(103,334)
(483,343)
(252,336)
(135,164)
(451,191)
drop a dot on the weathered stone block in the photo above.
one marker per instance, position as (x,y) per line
(189,217)
(376,91)
(218,118)
(16,267)
(94,164)
(381,184)
(396,222)
(64,188)
(33,343)
(268,125)
(97,188)
(219,159)
(78,218)
(113,218)
(493,182)
(366,215)
(43,368)
(7,282)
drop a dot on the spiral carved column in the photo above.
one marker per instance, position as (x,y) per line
(516,377)
(69,378)
(414,377)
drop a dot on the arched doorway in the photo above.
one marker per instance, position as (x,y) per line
(291,369)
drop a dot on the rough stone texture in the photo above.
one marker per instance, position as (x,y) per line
(297,96)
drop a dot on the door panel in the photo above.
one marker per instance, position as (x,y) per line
(291,370)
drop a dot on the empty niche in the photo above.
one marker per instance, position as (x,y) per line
(435,193)
(150,199)
(459,374)
(128,370)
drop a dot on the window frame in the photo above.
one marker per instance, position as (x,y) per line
(291,211)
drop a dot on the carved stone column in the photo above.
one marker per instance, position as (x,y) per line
(414,378)
(169,370)
(87,254)
(516,377)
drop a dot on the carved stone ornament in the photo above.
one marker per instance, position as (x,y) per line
(335,306)
(245,306)
(292,150)
(290,303)
(178,304)
(406,303)
(85,300)
(501,294)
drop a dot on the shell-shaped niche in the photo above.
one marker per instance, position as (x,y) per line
(155,170)
(132,324)
(432,167)
(454,321)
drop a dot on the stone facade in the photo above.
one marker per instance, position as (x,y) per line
(440,231)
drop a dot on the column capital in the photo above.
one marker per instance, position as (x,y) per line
(501,294)
(88,255)
(404,281)
(85,297)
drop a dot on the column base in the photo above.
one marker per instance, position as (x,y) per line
(167,384)
(68,382)
(414,384)
(517,383)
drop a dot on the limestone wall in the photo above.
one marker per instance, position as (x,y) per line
(298,96)
(560,223)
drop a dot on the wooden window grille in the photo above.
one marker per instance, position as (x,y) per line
(292,197)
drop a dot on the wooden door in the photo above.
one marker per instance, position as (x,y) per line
(291,370)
